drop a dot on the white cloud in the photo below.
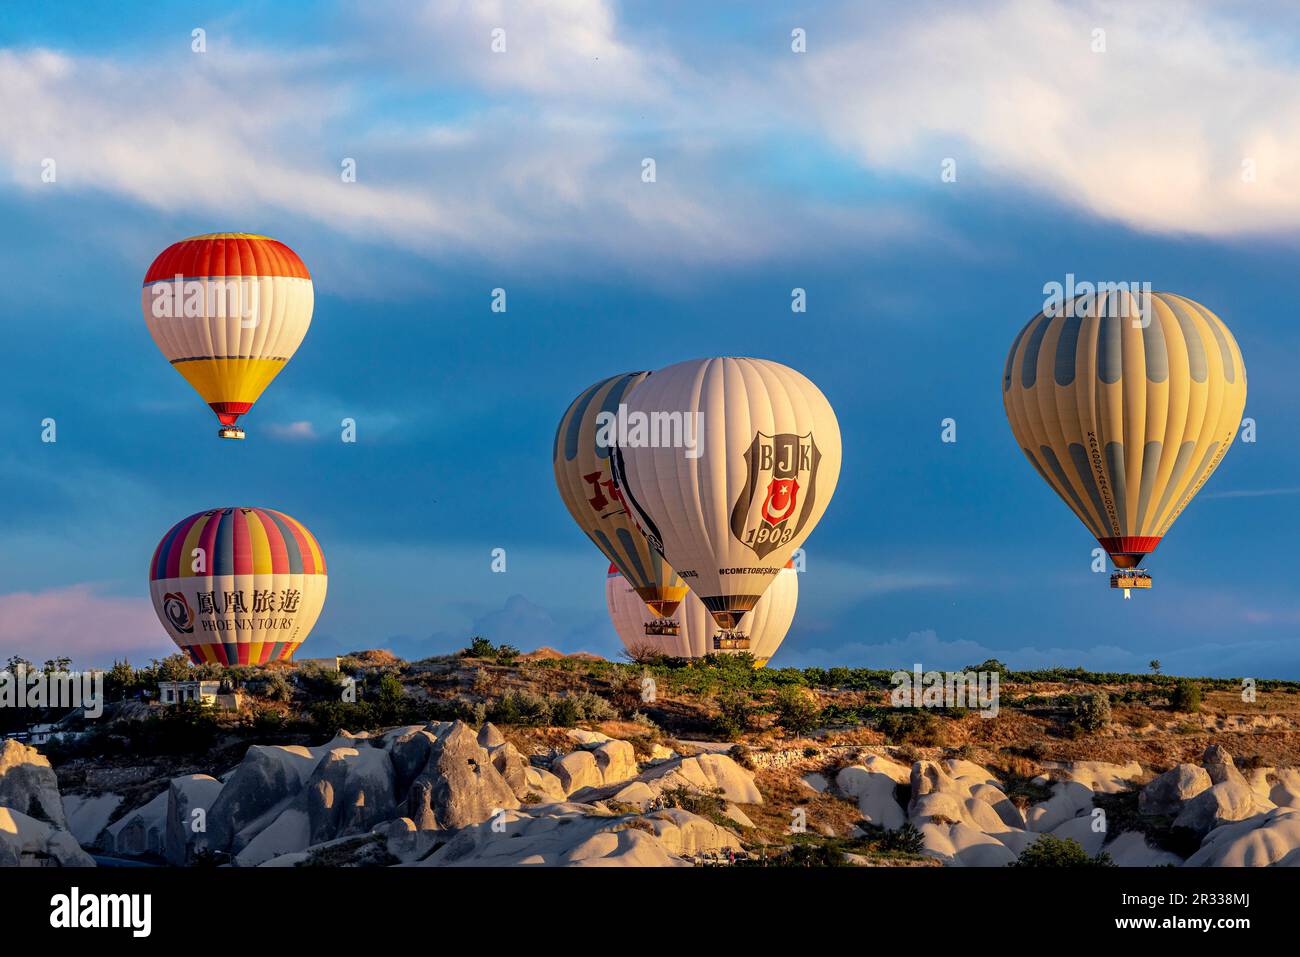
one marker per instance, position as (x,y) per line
(537,152)
(549,167)
(300,431)
(179,137)
(1153,132)
(562,48)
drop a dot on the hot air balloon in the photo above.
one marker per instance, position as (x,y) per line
(593,498)
(228,310)
(238,585)
(728,464)
(1125,405)
(766,623)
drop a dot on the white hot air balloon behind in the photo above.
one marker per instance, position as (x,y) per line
(766,624)
(728,513)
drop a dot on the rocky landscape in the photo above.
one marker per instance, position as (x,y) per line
(446,794)
(810,788)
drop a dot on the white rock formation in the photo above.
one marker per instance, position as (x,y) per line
(27,842)
(706,773)
(28,784)
(189,798)
(577,835)
(1258,841)
(89,814)
(139,831)
(873,790)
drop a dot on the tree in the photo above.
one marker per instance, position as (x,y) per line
(1186,696)
(120,680)
(277,687)
(990,666)
(480,647)
(736,714)
(1092,711)
(1155,665)
(174,667)
(796,709)
(1049,851)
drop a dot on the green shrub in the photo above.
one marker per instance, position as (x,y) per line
(796,709)
(810,855)
(1091,711)
(592,707)
(1186,696)
(911,726)
(319,683)
(735,714)
(565,713)
(520,707)
(1049,851)
(906,840)
(480,647)
(277,687)
(992,666)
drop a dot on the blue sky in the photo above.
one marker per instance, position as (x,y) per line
(522,170)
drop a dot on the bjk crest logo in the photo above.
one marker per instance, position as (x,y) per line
(178,612)
(779,493)
(782,495)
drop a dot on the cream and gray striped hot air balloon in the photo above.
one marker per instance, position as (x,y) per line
(581,459)
(1125,405)
(728,512)
(766,624)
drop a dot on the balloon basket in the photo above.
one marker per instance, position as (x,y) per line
(663,628)
(1130,578)
(730,641)
(230,432)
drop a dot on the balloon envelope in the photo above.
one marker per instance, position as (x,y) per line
(729,513)
(1125,412)
(594,499)
(767,623)
(228,310)
(238,585)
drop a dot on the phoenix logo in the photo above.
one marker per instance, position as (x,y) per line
(779,492)
(178,612)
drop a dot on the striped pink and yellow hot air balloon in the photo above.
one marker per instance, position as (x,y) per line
(228,310)
(238,585)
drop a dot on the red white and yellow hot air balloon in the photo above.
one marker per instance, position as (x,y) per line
(238,586)
(228,310)
(766,624)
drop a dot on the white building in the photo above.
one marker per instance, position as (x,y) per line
(178,692)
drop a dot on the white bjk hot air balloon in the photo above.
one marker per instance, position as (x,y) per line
(729,512)
(766,624)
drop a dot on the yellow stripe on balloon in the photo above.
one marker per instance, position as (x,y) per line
(318,558)
(230,380)
(260,544)
(186,567)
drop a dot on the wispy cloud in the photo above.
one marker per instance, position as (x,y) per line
(1155,131)
(537,150)
(300,431)
(1253,492)
(1264,657)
